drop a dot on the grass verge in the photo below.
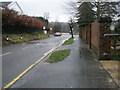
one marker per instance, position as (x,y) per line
(58,56)
(76,33)
(69,41)
(15,38)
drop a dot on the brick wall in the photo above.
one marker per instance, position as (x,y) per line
(85,34)
(94,37)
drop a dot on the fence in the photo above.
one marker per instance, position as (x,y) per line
(99,39)
(114,46)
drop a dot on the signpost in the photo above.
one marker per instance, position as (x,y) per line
(45,31)
(51,30)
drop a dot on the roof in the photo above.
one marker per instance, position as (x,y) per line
(10,3)
(5,4)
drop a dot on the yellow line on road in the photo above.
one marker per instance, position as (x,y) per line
(30,67)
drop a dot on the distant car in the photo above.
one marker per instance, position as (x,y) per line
(57,34)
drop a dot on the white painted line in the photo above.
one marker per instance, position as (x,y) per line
(23,43)
(74,39)
(37,44)
(54,48)
(6,54)
(49,51)
(30,67)
(24,48)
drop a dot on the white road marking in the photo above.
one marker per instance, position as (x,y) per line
(24,48)
(45,63)
(37,44)
(49,51)
(74,39)
(6,54)
(23,43)
(30,67)
(55,47)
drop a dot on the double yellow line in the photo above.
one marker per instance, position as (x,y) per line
(30,67)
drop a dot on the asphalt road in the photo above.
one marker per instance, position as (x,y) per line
(16,58)
(79,70)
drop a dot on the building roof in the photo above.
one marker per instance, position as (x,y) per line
(10,3)
(5,4)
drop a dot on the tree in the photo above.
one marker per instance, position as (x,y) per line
(117,27)
(104,9)
(42,19)
(57,26)
(85,14)
(71,25)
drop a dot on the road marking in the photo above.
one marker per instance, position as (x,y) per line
(24,48)
(37,44)
(30,67)
(23,43)
(51,50)
(74,39)
(6,54)
(48,51)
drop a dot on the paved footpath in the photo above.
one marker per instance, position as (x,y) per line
(79,70)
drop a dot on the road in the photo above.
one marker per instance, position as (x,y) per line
(79,70)
(16,58)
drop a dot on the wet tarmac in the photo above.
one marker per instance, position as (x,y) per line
(79,70)
(18,57)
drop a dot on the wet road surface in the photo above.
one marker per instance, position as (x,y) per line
(79,70)
(16,58)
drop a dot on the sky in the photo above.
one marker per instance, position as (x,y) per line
(55,8)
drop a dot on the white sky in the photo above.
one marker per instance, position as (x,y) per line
(39,7)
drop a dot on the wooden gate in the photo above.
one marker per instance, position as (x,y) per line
(114,50)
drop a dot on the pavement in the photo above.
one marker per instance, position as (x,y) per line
(79,70)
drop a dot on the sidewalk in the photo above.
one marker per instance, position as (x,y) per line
(79,70)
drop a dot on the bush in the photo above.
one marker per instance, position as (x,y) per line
(11,19)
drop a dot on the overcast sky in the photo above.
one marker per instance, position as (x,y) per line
(39,7)
(55,8)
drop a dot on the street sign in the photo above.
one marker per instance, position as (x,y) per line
(44,27)
(51,29)
(45,32)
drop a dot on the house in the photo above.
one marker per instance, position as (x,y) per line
(11,5)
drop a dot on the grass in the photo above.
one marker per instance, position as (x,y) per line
(15,38)
(76,33)
(58,56)
(69,41)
